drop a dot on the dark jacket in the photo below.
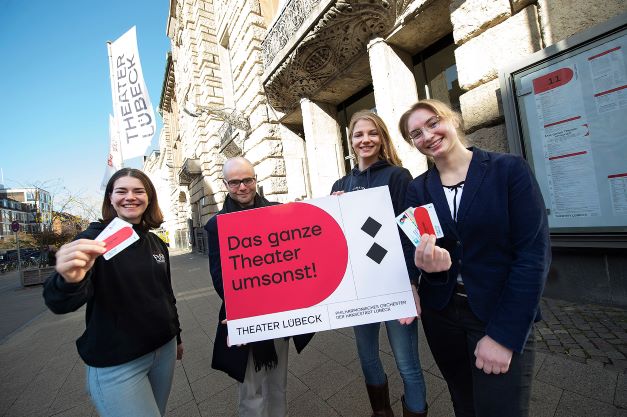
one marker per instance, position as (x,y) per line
(232,360)
(131,309)
(396,178)
(500,244)
(379,174)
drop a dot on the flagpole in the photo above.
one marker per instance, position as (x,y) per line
(115,119)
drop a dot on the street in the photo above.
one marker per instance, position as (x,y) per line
(42,374)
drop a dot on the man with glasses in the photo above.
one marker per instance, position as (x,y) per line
(259,367)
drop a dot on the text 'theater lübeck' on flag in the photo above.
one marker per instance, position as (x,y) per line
(132,110)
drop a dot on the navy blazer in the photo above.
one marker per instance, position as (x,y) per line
(500,244)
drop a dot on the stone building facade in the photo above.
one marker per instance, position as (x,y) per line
(277,81)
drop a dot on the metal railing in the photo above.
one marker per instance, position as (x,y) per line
(285,26)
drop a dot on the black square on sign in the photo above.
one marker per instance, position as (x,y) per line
(377,253)
(371,226)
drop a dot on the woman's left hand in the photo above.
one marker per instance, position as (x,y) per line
(408,320)
(492,357)
(431,258)
(179,351)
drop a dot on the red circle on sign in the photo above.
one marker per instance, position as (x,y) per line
(15,226)
(280,258)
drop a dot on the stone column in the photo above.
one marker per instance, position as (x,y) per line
(323,144)
(394,92)
(296,173)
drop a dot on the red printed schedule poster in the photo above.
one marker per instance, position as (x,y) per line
(567,143)
(309,266)
(574,108)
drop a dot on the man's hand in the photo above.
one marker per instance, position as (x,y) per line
(492,357)
(408,320)
(74,259)
(179,351)
(431,258)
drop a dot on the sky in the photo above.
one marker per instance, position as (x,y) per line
(56,91)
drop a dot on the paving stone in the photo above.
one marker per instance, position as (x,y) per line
(539,360)
(441,406)
(327,379)
(211,384)
(194,371)
(189,409)
(336,345)
(351,400)
(544,399)
(436,386)
(70,400)
(82,410)
(181,394)
(575,405)
(562,373)
(620,398)
(222,404)
(311,405)
(622,363)
(308,359)
(615,355)
(602,359)
(577,352)
(295,387)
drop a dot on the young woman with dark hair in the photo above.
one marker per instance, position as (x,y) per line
(132,335)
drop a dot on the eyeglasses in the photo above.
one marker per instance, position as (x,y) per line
(419,134)
(236,183)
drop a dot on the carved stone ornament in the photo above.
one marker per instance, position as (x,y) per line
(338,38)
(189,171)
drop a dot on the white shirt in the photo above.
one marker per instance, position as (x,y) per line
(453,198)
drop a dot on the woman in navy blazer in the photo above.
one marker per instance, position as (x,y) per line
(481,283)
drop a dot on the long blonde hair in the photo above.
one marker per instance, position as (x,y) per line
(387,151)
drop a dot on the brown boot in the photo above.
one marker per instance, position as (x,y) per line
(407,413)
(379,396)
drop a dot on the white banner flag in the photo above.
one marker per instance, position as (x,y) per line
(131,104)
(114,160)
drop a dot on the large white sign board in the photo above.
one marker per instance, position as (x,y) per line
(309,266)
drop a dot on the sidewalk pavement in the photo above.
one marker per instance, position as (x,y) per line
(580,368)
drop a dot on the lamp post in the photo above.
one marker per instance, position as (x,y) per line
(15,227)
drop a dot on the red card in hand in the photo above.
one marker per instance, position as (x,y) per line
(423,221)
(118,237)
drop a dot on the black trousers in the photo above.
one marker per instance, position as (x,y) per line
(452,334)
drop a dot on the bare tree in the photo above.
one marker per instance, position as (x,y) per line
(71,212)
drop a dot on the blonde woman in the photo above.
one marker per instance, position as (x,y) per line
(379,165)
(481,283)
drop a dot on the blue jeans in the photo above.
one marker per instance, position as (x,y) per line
(404,342)
(139,388)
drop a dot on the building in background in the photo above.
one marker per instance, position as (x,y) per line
(10,211)
(39,200)
(160,172)
(68,224)
(277,82)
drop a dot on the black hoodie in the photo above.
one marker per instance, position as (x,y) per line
(376,175)
(131,309)
(397,179)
